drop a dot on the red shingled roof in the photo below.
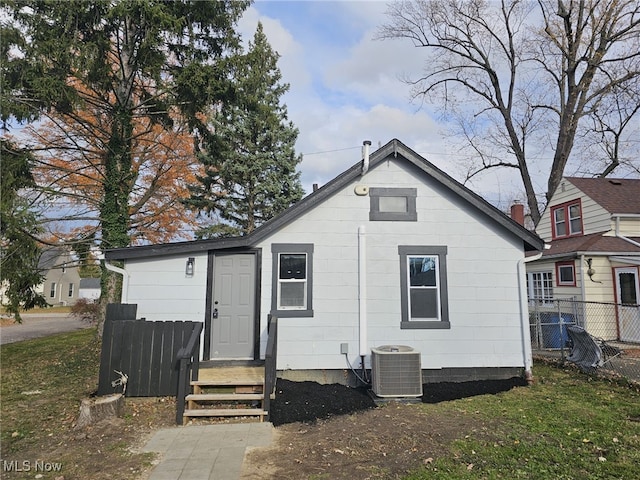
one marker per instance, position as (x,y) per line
(593,243)
(616,195)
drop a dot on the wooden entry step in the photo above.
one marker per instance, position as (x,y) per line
(227,391)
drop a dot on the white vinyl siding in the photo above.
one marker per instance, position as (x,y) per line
(483,296)
(594,217)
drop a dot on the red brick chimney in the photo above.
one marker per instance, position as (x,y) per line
(517,213)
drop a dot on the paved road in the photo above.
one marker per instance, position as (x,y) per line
(40,325)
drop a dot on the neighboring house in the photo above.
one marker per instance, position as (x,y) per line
(89,288)
(391,252)
(61,277)
(593,228)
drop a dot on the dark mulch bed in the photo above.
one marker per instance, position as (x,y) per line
(311,401)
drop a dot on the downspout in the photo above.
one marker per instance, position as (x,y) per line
(125,280)
(582,284)
(622,237)
(524,317)
(362,291)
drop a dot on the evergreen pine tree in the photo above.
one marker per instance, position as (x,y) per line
(251,163)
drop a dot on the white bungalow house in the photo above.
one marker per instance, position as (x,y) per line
(593,228)
(391,252)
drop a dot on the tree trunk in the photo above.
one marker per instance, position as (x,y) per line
(93,410)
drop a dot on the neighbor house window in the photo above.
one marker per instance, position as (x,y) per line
(565,274)
(540,286)
(566,219)
(423,287)
(71,289)
(292,280)
(393,204)
(52,292)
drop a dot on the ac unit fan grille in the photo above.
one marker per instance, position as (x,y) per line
(396,372)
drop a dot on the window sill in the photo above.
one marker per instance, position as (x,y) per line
(292,313)
(428,325)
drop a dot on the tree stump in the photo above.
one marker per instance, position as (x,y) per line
(93,410)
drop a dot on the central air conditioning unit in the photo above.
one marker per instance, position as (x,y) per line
(396,371)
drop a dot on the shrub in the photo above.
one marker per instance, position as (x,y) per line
(86,310)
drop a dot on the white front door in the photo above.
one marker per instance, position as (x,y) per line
(628,293)
(233,318)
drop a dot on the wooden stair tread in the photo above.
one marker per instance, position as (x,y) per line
(228,382)
(224,412)
(223,396)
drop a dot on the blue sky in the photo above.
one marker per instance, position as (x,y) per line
(345,87)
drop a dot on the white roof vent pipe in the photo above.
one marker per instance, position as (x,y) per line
(365,156)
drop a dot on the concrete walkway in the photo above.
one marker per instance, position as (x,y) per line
(205,452)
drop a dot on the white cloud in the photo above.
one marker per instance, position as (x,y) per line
(346,88)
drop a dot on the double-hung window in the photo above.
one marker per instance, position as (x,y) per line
(567,219)
(52,291)
(292,280)
(423,287)
(71,288)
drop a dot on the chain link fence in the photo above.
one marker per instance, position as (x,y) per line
(614,325)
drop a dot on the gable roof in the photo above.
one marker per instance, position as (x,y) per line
(48,258)
(616,195)
(395,149)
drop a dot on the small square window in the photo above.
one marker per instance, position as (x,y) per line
(393,204)
(565,274)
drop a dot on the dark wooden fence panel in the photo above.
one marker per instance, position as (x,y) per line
(121,311)
(145,351)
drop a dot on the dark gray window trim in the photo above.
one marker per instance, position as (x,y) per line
(376,215)
(277,248)
(441,252)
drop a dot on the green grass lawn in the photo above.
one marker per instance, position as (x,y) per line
(42,383)
(566,426)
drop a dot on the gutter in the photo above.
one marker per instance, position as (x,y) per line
(125,280)
(618,234)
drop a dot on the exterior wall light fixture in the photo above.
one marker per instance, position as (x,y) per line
(591,271)
(191,262)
